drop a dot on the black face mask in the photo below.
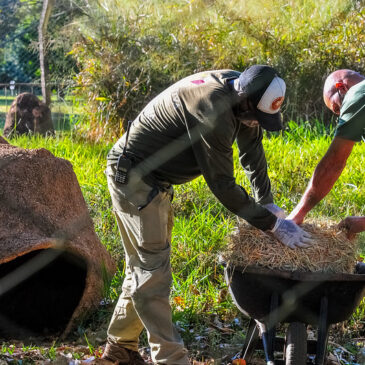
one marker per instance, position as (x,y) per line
(246,115)
(247,118)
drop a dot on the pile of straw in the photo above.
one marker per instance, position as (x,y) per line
(332,252)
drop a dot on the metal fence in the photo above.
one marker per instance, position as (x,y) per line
(65,111)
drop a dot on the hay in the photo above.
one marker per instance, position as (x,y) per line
(331,253)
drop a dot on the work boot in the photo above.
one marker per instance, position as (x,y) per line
(122,356)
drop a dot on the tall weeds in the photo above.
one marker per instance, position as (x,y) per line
(129,51)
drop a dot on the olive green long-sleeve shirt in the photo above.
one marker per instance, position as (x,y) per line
(188,130)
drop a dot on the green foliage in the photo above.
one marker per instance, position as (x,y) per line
(19,58)
(292,160)
(130,50)
(18,26)
(118,69)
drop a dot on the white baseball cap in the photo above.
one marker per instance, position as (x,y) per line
(263,86)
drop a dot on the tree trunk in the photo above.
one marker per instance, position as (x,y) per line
(42,38)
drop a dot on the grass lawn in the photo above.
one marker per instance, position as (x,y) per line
(199,293)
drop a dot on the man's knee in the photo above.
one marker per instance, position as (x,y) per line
(151,283)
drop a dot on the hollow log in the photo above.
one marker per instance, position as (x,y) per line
(53,268)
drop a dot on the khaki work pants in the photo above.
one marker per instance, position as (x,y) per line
(144,301)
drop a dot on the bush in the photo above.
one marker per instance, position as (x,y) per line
(121,67)
(115,75)
(126,60)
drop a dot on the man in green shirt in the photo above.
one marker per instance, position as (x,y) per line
(344,94)
(187,131)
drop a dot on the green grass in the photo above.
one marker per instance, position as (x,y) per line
(292,160)
(201,223)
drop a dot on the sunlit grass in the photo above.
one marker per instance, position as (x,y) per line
(292,160)
(201,223)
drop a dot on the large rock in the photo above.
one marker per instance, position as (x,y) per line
(52,265)
(28,114)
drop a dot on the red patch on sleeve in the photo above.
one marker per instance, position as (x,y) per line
(198,82)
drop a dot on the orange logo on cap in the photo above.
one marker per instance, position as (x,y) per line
(277,103)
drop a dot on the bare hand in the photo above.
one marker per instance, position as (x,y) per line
(352,225)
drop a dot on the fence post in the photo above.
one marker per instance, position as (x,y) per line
(42,38)
(6,100)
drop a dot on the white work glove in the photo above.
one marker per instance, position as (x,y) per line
(291,235)
(274,209)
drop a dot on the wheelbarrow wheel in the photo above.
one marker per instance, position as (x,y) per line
(296,344)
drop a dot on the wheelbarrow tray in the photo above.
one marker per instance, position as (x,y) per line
(299,294)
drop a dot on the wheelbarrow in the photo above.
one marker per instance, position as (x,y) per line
(270,297)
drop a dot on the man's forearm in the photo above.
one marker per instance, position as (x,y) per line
(311,197)
(324,177)
(236,199)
